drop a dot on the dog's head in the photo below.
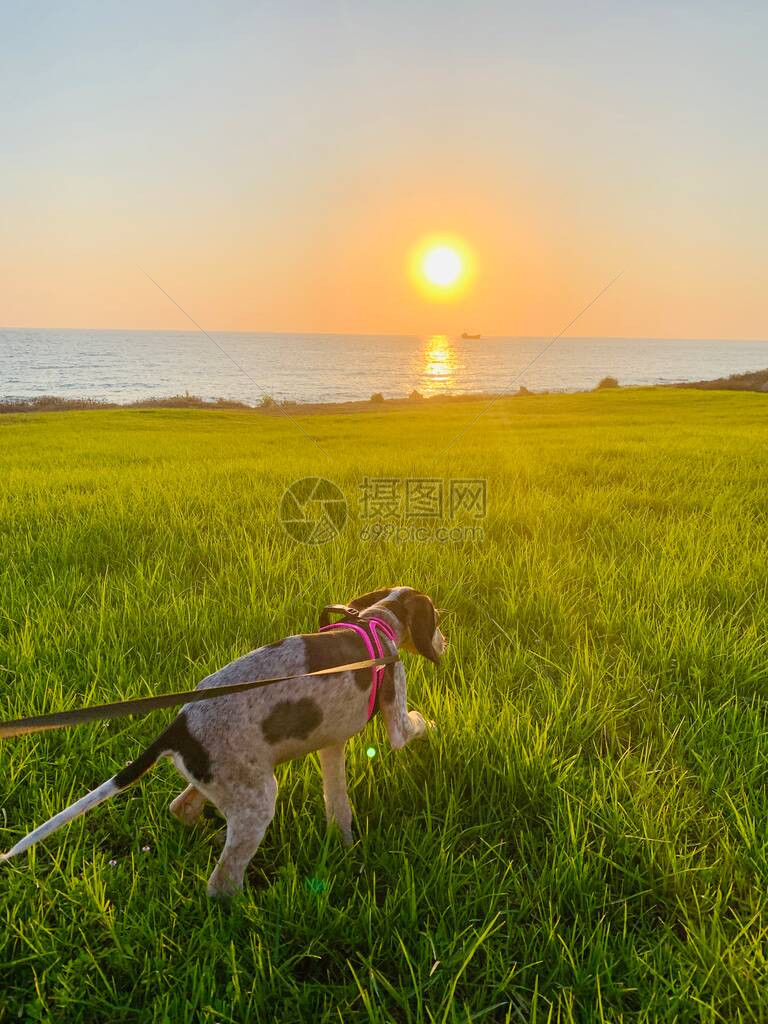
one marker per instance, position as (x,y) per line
(415,612)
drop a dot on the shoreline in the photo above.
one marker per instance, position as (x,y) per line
(756,380)
(53,403)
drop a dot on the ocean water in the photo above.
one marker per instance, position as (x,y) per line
(122,366)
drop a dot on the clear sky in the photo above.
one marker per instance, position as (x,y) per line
(273,164)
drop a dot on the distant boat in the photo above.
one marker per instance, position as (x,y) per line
(470,337)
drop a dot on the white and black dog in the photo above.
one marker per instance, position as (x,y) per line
(227,749)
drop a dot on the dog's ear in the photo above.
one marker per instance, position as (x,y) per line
(336,609)
(421,619)
(361,603)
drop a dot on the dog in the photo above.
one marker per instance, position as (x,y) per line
(227,749)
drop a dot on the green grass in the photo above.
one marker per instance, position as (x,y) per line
(583,839)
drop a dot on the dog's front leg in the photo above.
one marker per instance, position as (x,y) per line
(402,725)
(337,808)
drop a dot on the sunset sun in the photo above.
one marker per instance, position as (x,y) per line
(442,266)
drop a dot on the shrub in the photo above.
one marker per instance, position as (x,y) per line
(607,382)
(523,390)
(230,403)
(267,402)
(377,397)
(415,395)
(53,403)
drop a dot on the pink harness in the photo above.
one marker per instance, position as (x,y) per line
(376,651)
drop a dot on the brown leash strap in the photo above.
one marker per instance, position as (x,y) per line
(143,705)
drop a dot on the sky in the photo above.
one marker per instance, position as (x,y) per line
(273,165)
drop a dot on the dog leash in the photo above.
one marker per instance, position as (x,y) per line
(143,705)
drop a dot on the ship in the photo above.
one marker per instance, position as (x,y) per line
(470,337)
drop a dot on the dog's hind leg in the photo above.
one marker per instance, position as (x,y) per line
(248,812)
(337,809)
(188,806)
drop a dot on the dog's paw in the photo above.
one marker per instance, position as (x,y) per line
(421,725)
(184,813)
(187,806)
(223,888)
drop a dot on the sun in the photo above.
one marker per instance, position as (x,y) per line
(442,266)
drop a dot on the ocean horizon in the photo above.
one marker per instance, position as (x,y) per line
(120,365)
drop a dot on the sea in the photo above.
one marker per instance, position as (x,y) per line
(129,365)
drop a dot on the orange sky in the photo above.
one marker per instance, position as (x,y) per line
(285,189)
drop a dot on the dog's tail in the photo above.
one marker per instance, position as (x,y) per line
(125,778)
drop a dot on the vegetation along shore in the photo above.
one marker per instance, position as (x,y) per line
(754,381)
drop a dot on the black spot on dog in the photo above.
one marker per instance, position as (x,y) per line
(422,623)
(178,738)
(338,647)
(397,607)
(194,755)
(291,719)
(386,694)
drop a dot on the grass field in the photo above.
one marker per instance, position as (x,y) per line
(583,838)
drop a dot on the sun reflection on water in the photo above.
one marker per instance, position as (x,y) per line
(439,363)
